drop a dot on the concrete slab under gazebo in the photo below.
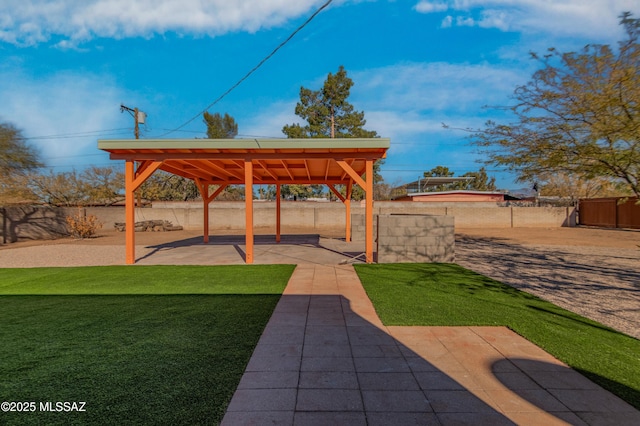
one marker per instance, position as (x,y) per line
(224,162)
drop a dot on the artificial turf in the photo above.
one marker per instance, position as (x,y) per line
(139,345)
(449,295)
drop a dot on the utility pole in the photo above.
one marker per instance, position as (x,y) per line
(139,117)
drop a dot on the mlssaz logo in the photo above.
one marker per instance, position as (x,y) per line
(62,406)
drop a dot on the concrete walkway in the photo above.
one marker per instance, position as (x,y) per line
(325,358)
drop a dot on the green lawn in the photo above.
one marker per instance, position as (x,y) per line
(447,294)
(137,344)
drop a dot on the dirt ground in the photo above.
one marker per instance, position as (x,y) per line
(580,236)
(593,272)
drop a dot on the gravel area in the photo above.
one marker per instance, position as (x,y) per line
(595,273)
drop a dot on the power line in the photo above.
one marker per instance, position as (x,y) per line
(265,59)
(78,135)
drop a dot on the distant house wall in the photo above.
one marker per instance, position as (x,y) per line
(454,196)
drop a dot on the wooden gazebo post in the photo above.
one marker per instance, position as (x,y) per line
(129,213)
(368,212)
(132,181)
(278,205)
(248,200)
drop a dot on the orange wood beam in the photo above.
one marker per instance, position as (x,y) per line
(286,168)
(346,200)
(336,192)
(132,181)
(255,176)
(248,200)
(278,205)
(211,169)
(145,170)
(217,192)
(207,199)
(306,168)
(267,169)
(349,170)
(347,219)
(129,213)
(203,187)
(369,212)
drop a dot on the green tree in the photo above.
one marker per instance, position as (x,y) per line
(439,171)
(578,116)
(480,182)
(17,159)
(297,192)
(329,115)
(219,127)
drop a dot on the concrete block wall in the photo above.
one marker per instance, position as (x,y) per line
(230,215)
(33,223)
(543,217)
(358,229)
(49,222)
(481,217)
(415,238)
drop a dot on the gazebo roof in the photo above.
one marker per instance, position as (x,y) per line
(276,161)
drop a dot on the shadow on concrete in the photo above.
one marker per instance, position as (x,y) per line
(292,248)
(319,362)
(565,389)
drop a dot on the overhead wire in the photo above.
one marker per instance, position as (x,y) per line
(254,69)
(77,135)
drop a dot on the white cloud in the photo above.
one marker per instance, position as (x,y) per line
(465,21)
(431,7)
(447,22)
(53,105)
(28,22)
(435,87)
(594,18)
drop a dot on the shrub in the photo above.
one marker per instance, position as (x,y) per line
(82,225)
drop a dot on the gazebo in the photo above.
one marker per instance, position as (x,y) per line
(223,162)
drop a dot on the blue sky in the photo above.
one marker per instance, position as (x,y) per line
(66,66)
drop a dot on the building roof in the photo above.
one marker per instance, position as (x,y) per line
(456,192)
(282,161)
(455,195)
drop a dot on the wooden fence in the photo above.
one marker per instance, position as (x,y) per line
(610,212)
